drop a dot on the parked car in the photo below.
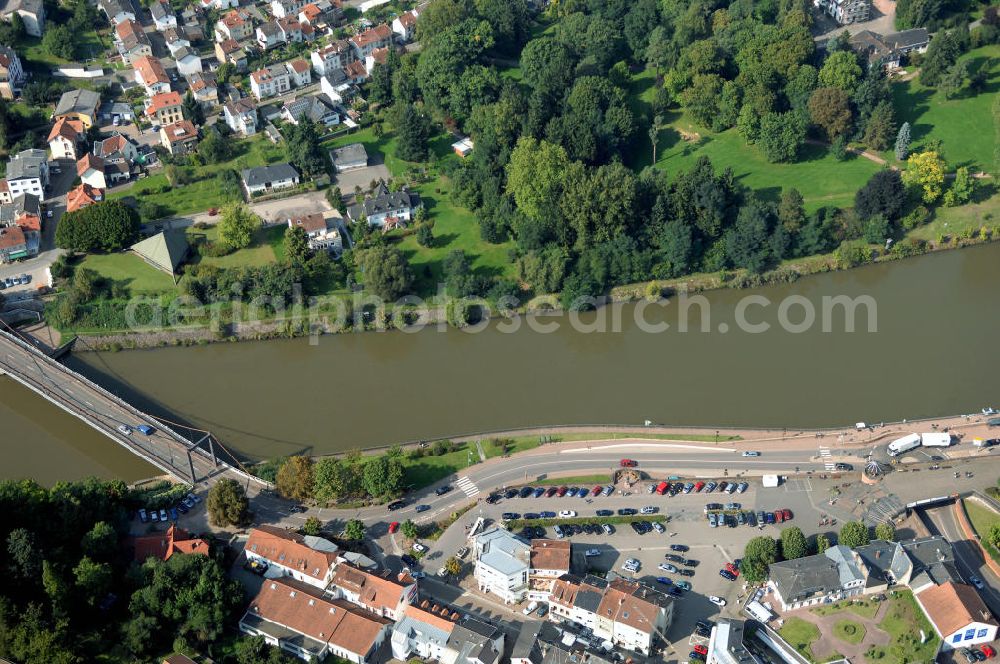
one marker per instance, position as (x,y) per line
(566,514)
(571,492)
(667,567)
(726,574)
(658,527)
(539,492)
(701,650)
(608,490)
(547,515)
(605,512)
(395,505)
(419,548)
(163,515)
(525,492)
(607,528)
(558,530)
(551,491)
(786,514)
(125,429)
(679,547)
(418,575)
(694,654)
(698,486)
(145,429)
(711,520)
(649,509)
(173,514)
(143,516)
(686,572)
(683,585)
(710,487)
(733,506)
(977,582)
(408,559)
(590,553)
(493,499)
(843,466)
(988,651)
(769,518)
(742,487)
(509,516)
(779,516)
(718,601)
(461,553)
(596,491)
(664,580)
(631,565)
(510,493)
(393,527)
(627,511)
(528,610)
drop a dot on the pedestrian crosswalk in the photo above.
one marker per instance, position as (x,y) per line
(827,457)
(467,486)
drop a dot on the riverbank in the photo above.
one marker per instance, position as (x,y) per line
(952,228)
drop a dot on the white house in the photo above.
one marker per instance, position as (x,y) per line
(90,170)
(241,116)
(387,209)
(266,179)
(381,593)
(269,35)
(188,61)
(11,72)
(65,137)
(502,564)
(404,26)
(28,173)
(835,574)
(308,560)
(163,15)
(151,75)
(221,5)
(332,57)
(422,634)
(299,72)
(958,614)
(270,81)
(378,37)
(283,8)
(322,233)
(336,85)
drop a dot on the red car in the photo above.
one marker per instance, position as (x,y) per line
(699,486)
(733,569)
(629,463)
(597,491)
(562,491)
(988,650)
(551,492)
(701,650)
(394,526)
(786,514)
(779,516)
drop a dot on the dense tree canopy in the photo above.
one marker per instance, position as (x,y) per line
(105,226)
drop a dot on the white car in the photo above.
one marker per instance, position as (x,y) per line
(590,553)
(567,514)
(528,610)
(751,453)
(658,527)
(632,565)
(125,429)
(418,547)
(718,601)
(667,567)
(649,510)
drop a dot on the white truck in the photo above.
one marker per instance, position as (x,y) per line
(935,439)
(771,480)
(904,444)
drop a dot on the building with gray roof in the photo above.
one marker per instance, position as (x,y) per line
(833,575)
(265,179)
(502,564)
(349,157)
(386,209)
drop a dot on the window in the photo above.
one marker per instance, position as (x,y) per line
(982,633)
(970,633)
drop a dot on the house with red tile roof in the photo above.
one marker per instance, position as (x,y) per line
(179,137)
(405,26)
(65,138)
(165,107)
(13,244)
(380,592)
(958,614)
(83,196)
(151,75)
(165,545)
(378,37)
(302,621)
(288,554)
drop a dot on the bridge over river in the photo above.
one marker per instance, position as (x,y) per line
(194,460)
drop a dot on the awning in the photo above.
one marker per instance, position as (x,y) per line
(14,255)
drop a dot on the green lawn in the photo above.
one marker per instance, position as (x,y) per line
(866,608)
(583,480)
(128,268)
(800,634)
(954,221)
(203,193)
(819,177)
(849,631)
(427,470)
(260,252)
(982,519)
(964,125)
(904,621)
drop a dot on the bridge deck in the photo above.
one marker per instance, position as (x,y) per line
(186,460)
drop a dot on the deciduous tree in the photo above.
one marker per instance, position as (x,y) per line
(759,553)
(227,504)
(295,478)
(853,534)
(105,226)
(793,543)
(926,171)
(354,530)
(885,531)
(238,225)
(386,272)
(830,110)
(841,70)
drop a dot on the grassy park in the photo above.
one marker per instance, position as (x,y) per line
(982,518)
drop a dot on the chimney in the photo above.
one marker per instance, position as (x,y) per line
(878,554)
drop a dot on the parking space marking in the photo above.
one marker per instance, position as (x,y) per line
(798,486)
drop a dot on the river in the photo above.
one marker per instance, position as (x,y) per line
(933,354)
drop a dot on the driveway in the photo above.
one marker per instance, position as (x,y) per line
(883,21)
(362,177)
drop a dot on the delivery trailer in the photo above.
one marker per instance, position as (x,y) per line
(936,439)
(904,444)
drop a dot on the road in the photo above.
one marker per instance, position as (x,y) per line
(942,521)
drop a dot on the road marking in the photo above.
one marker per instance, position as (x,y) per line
(828,463)
(604,448)
(467,486)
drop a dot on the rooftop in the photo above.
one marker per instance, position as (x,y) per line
(289,549)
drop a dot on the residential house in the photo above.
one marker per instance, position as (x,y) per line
(291,29)
(332,57)
(237,24)
(377,57)
(32,13)
(230,51)
(728,643)
(888,51)
(28,173)
(299,72)
(117,10)
(270,81)
(78,105)
(474,641)
(13,244)
(382,593)
(404,26)
(178,659)
(175,39)
(322,14)
(323,233)
(846,12)
(220,5)
(163,15)
(306,559)
(204,88)
(300,620)
(164,545)
(151,75)
(90,170)
(423,633)
(269,35)
(833,575)
(5,195)
(313,108)
(626,613)
(549,560)
(11,72)
(65,137)
(179,137)
(356,72)
(188,61)
(337,86)
(349,157)
(165,108)
(131,41)
(958,614)
(117,155)
(502,558)
(284,8)
(25,212)
(83,196)
(378,37)
(387,209)
(241,116)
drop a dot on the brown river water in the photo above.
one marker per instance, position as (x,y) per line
(934,353)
